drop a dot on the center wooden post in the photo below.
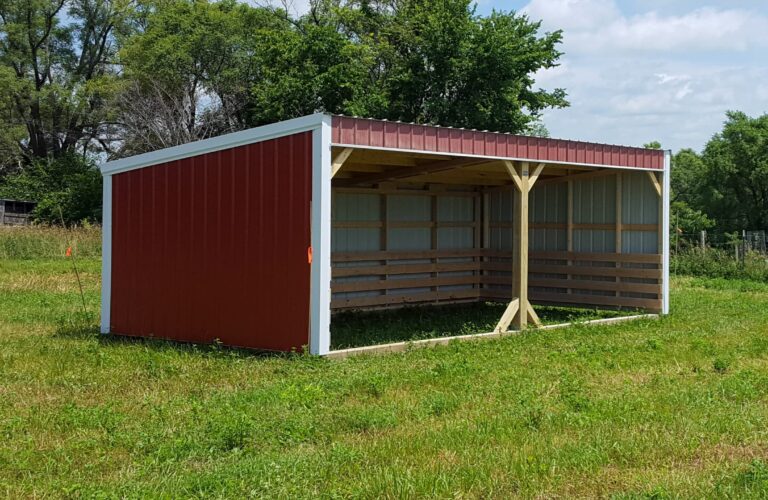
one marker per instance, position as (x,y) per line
(520,266)
(519,310)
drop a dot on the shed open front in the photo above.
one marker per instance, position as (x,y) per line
(416,228)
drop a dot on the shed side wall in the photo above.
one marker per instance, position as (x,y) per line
(215,247)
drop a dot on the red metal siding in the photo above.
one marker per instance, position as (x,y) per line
(383,134)
(215,247)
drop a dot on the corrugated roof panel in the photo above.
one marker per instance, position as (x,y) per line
(394,135)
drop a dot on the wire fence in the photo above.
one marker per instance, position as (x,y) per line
(740,243)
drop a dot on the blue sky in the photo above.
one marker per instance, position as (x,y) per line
(643,70)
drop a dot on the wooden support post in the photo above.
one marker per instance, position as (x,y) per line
(433,231)
(619,227)
(477,235)
(569,228)
(520,267)
(383,230)
(519,310)
(486,244)
(657,187)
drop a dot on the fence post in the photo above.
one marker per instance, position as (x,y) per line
(743,244)
(703,238)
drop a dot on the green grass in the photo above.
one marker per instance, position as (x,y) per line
(34,242)
(353,329)
(671,408)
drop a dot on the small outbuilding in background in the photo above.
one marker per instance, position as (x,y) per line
(256,237)
(16,212)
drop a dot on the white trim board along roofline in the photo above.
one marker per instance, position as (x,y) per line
(227,141)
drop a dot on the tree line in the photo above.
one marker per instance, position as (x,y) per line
(102,79)
(725,187)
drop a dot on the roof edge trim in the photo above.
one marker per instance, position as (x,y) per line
(227,141)
(492,157)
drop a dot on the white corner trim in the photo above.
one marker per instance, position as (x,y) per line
(665,193)
(106,254)
(233,140)
(491,157)
(320,278)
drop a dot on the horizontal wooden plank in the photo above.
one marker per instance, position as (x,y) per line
(598,300)
(578,270)
(609,286)
(390,284)
(341,272)
(405,192)
(563,226)
(400,255)
(382,300)
(588,271)
(640,227)
(578,298)
(635,258)
(363,224)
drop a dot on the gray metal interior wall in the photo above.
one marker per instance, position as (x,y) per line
(640,205)
(409,225)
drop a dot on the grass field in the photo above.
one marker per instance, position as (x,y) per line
(670,408)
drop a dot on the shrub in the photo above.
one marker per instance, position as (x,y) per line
(68,187)
(715,263)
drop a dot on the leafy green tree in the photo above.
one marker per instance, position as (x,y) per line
(221,66)
(690,180)
(195,60)
(314,68)
(737,173)
(63,72)
(436,61)
(686,220)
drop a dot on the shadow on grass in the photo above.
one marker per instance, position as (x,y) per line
(79,328)
(361,328)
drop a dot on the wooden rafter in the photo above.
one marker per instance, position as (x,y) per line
(405,172)
(579,176)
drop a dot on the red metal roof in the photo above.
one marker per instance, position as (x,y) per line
(396,135)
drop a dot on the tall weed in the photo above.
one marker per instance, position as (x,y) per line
(715,263)
(36,242)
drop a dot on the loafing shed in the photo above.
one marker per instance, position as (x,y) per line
(255,238)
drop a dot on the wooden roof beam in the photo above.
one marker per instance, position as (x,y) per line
(405,172)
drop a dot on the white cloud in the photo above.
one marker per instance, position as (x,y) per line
(635,78)
(573,14)
(598,25)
